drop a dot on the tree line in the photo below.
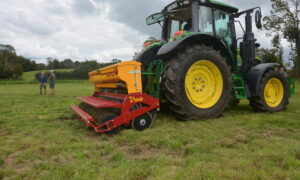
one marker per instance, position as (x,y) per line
(12,66)
(81,69)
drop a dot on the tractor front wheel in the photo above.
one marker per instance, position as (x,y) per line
(273,93)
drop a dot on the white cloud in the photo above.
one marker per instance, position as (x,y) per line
(76,29)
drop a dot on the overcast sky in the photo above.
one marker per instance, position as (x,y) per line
(87,29)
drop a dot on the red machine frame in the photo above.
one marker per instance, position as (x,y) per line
(126,102)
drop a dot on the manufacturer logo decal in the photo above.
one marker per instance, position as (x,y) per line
(135,100)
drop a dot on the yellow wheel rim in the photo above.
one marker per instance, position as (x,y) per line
(203,84)
(273,92)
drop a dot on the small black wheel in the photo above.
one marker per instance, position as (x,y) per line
(107,117)
(142,122)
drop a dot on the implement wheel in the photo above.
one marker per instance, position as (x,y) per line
(273,93)
(142,122)
(197,83)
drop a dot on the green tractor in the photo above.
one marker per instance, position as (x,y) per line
(205,67)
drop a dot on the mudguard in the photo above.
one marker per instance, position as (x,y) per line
(254,76)
(147,55)
(207,39)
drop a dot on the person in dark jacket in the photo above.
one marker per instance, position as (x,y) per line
(43,81)
(52,82)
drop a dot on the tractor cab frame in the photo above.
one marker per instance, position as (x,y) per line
(206,20)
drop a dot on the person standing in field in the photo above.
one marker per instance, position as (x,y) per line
(52,82)
(43,81)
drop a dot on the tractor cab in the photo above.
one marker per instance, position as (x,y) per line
(185,17)
(211,18)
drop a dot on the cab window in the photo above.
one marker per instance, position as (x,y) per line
(180,20)
(205,20)
(223,28)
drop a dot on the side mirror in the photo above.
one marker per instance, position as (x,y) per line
(257,45)
(258,19)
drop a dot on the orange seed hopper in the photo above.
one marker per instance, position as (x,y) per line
(125,75)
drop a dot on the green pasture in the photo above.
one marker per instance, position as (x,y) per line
(40,139)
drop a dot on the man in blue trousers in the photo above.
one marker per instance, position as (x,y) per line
(42,80)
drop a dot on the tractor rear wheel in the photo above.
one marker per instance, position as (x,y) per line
(273,93)
(197,83)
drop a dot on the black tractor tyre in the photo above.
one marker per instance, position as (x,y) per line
(259,103)
(142,122)
(173,82)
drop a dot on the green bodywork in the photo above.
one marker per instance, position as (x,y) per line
(239,87)
(292,85)
(153,78)
(185,33)
(154,44)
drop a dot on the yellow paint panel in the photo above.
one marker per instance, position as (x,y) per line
(273,92)
(204,84)
(128,72)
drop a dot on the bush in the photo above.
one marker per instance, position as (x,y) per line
(10,65)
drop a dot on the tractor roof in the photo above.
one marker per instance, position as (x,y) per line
(224,5)
(220,5)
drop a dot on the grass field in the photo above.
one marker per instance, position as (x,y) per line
(39,139)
